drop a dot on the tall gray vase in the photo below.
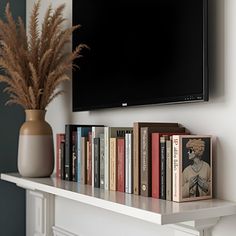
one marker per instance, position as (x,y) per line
(35,150)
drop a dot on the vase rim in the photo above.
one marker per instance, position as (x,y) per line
(35,110)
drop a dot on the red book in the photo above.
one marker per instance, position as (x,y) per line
(59,138)
(120,164)
(155,165)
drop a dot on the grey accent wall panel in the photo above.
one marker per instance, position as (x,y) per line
(12,198)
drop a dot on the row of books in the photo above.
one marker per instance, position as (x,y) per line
(138,159)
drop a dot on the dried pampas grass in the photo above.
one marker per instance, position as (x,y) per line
(32,66)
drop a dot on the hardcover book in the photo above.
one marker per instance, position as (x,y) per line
(111,132)
(169,169)
(74,156)
(89,159)
(81,132)
(146,156)
(159,160)
(60,137)
(69,129)
(113,163)
(128,163)
(120,164)
(69,157)
(102,162)
(83,165)
(62,153)
(96,162)
(137,149)
(192,167)
(96,131)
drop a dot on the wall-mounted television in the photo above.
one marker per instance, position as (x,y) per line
(141,52)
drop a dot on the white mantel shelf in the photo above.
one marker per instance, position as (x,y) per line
(147,209)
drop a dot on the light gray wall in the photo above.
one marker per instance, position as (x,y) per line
(216,117)
(12,198)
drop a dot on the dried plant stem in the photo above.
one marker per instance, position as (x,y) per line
(34,65)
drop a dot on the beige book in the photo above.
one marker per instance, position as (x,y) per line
(169,170)
(113,154)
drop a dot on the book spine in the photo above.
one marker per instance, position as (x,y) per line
(113,164)
(83,176)
(78,154)
(163,167)
(87,162)
(81,132)
(106,158)
(74,156)
(96,131)
(121,164)
(62,148)
(176,168)
(102,164)
(89,159)
(155,165)
(145,164)
(169,170)
(59,138)
(68,152)
(128,163)
(58,155)
(136,158)
(96,162)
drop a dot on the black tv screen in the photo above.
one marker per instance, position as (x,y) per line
(141,52)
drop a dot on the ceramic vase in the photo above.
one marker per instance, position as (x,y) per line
(35,150)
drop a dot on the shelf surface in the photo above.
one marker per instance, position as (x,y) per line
(148,209)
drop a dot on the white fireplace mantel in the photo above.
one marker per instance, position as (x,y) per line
(190,218)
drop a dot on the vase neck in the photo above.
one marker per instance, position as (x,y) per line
(35,115)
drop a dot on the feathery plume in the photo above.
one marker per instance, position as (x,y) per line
(34,65)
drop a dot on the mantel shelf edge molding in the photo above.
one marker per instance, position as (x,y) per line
(188,217)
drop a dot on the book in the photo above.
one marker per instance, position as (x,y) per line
(74,157)
(69,157)
(96,131)
(113,154)
(159,160)
(69,129)
(111,132)
(163,167)
(62,151)
(96,162)
(81,132)
(169,169)
(89,159)
(102,161)
(128,163)
(83,174)
(146,156)
(59,138)
(192,167)
(120,164)
(137,149)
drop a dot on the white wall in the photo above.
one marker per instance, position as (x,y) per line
(216,117)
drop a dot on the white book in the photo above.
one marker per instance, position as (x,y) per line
(128,163)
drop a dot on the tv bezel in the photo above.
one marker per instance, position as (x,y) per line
(204,96)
